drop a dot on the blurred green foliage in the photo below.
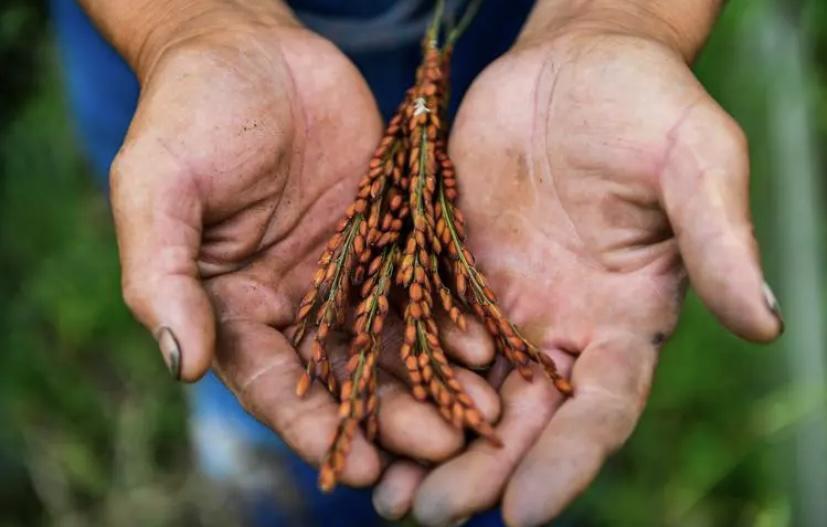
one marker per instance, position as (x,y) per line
(713,447)
(93,433)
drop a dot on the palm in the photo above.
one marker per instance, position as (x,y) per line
(568,223)
(562,149)
(255,147)
(294,146)
(277,158)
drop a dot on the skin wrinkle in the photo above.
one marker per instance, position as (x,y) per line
(632,196)
(529,148)
(272,363)
(169,45)
(597,391)
(183,168)
(664,265)
(173,260)
(305,212)
(226,312)
(194,25)
(259,203)
(616,334)
(314,242)
(238,162)
(634,241)
(285,421)
(237,167)
(542,117)
(293,93)
(291,97)
(672,139)
(205,177)
(206,192)
(290,170)
(596,263)
(567,215)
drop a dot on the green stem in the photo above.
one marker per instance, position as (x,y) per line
(357,374)
(464,22)
(423,157)
(334,285)
(433,29)
(479,294)
(382,284)
(386,271)
(337,276)
(426,348)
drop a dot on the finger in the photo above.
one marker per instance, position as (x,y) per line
(612,380)
(472,347)
(261,368)
(157,214)
(499,371)
(480,391)
(417,430)
(485,398)
(473,481)
(393,496)
(705,191)
(409,427)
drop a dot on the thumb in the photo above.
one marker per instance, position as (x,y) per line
(705,191)
(157,212)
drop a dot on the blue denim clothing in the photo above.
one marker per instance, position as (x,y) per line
(103,93)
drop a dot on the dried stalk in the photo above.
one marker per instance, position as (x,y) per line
(404,229)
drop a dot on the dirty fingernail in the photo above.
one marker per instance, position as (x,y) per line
(461,521)
(170,350)
(772,304)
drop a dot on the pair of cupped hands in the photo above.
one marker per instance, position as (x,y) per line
(596,174)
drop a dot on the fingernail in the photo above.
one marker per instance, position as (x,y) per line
(461,521)
(383,507)
(772,304)
(170,350)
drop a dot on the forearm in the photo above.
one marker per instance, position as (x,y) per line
(682,25)
(141,29)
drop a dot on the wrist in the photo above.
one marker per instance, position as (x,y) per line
(142,29)
(681,26)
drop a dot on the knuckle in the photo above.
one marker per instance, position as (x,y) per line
(134,297)
(733,137)
(734,146)
(130,296)
(117,169)
(131,160)
(722,153)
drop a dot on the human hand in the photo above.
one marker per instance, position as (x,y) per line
(248,141)
(596,173)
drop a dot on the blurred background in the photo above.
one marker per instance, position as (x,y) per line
(93,433)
